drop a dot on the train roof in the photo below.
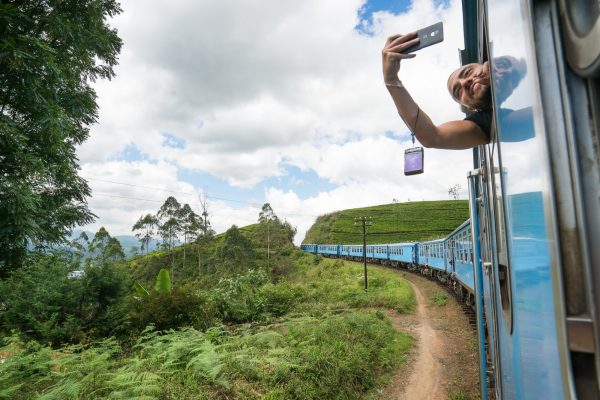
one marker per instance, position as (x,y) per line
(460,227)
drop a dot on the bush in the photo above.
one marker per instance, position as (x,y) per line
(239,299)
(439,299)
(44,304)
(236,253)
(172,310)
(282,298)
(282,267)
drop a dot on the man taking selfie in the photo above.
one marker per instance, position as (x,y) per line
(469,86)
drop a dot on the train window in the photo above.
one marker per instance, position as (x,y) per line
(496,182)
(465,240)
(465,246)
(470,238)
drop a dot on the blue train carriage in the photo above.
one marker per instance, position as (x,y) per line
(401,254)
(329,250)
(533,191)
(459,260)
(378,253)
(345,250)
(432,258)
(309,248)
(355,251)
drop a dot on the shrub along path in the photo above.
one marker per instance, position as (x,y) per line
(443,365)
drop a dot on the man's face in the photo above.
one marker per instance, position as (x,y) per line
(470,85)
(508,73)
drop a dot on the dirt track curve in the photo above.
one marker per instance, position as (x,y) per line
(443,364)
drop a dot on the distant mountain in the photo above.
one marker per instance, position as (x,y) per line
(127,241)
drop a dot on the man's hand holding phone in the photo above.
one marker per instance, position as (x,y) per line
(393,53)
(399,47)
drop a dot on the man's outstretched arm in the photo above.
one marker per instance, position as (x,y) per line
(460,134)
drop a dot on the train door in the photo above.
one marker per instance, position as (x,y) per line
(487,262)
(450,256)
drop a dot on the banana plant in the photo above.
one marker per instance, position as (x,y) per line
(162,285)
(163,282)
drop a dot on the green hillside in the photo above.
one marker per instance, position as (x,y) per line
(392,223)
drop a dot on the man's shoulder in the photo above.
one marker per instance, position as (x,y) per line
(483,118)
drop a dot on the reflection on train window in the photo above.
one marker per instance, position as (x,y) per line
(499,221)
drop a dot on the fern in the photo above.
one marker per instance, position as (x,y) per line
(21,364)
(132,382)
(187,350)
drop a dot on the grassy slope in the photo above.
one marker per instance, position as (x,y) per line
(392,223)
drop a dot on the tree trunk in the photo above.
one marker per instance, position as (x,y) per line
(184,244)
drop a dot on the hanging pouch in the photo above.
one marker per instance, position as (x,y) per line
(413,161)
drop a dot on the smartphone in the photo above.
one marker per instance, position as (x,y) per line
(413,161)
(428,36)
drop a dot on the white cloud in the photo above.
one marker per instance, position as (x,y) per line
(251,86)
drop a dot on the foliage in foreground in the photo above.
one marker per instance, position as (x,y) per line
(44,303)
(302,358)
(52,52)
(305,337)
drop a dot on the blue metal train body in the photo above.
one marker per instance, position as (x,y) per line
(528,259)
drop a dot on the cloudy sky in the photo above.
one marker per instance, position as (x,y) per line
(261,101)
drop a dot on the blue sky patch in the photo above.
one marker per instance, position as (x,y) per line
(304,183)
(132,153)
(219,189)
(172,141)
(392,135)
(365,13)
(443,3)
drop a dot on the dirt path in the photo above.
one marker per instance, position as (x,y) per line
(443,364)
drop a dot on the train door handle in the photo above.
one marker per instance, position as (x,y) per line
(487,267)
